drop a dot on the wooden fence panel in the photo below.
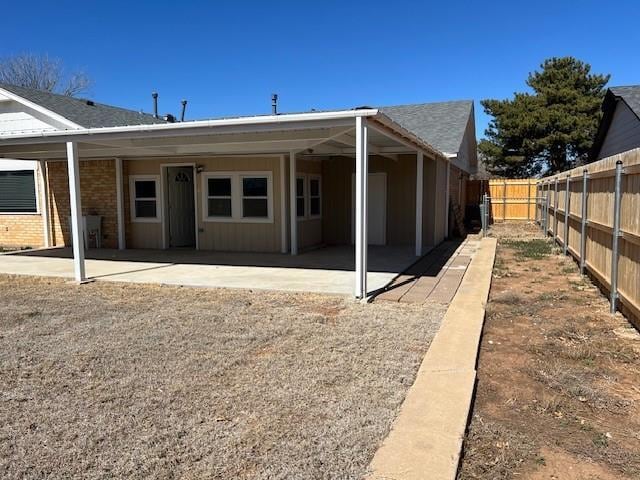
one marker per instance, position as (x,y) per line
(513,199)
(600,204)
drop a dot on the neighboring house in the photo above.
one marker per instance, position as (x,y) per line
(269,183)
(619,128)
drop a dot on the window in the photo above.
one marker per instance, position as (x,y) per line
(219,200)
(18,192)
(255,197)
(315,197)
(144,192)
(300,197)
(237,197)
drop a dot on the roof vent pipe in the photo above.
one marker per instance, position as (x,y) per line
(184,108)
(155,104)
(274,104)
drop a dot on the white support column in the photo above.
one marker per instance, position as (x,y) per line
(293,214)
(447,201)
(44,204)
(419,196)
(362,179)
(283,205)
(119,205)
(77,223)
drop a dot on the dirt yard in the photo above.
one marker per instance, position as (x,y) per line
(133,381)
(558,393)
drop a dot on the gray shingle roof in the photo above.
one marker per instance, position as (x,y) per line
(80,111)
(631,96)
(440,124)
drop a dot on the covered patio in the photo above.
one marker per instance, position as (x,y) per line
(283,144)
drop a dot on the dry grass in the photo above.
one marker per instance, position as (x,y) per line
(134,381)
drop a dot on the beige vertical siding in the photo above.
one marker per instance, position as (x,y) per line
(401,197)
(221,236)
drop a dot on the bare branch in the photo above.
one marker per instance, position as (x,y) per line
(42,73)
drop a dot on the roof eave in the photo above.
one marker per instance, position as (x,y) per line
(241,125)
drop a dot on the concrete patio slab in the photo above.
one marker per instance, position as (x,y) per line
(327,270)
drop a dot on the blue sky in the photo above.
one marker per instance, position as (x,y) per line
(227,57)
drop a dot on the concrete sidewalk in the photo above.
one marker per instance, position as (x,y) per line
(426,439)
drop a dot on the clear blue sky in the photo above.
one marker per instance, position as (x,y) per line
(227,57)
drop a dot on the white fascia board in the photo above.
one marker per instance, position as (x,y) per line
(230,125)
(39,108)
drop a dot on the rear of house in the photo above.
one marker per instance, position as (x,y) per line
(273,183)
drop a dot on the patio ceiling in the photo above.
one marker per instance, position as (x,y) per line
(314,134)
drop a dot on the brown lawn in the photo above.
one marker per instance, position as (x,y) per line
(133,381)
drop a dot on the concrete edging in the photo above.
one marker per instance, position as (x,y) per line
(425,441)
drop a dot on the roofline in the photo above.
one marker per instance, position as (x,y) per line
(239,125)
(39,108)
(168,128)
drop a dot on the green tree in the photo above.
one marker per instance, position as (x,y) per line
(550,129)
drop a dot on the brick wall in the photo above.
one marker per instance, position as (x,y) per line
(98,191)
(23,230)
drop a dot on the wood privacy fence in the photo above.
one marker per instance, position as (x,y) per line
(513,199)
(593,212)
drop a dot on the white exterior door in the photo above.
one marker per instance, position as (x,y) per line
(377,212)
(181,206)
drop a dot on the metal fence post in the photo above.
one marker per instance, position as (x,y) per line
(567,207)
(583,221)
(546,219)
(616,236)
(504,201)
(555,212)
(537,203)
(486,214)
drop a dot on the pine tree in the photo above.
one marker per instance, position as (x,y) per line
(549,130)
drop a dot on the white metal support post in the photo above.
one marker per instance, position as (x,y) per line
(120,205)
(77,223)
(615,241)
(419,196)
(283,205)
(583,220)
(567,207)
(44,204)
(362,178)
(293,214)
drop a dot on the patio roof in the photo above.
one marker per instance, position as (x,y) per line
(315,133)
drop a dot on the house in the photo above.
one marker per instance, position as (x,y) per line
(285,183)
(619,128)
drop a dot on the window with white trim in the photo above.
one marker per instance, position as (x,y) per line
(18,191)
(315,196)
(301,210)
(144,191)
(219,198)
(255,197)
(237,197)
